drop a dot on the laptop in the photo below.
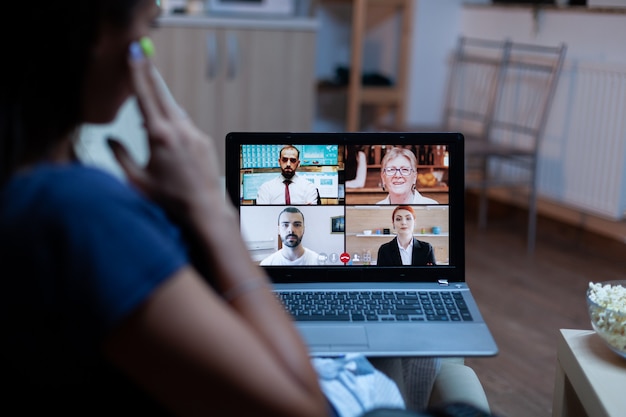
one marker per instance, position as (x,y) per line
(423,309)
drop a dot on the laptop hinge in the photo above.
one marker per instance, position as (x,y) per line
(443,282)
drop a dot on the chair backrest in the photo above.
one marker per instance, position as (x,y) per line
(475,71)
(527,85)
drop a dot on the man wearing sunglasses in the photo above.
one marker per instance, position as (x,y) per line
(288,188)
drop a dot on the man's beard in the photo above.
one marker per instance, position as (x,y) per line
(291,243)
(288,174)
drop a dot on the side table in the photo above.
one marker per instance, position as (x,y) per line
(590,378)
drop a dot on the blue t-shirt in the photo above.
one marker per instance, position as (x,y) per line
(79,251)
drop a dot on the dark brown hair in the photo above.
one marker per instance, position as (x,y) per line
(46,52)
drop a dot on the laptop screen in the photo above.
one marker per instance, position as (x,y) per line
(347,207)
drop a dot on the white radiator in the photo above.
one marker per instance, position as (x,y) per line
(583,154)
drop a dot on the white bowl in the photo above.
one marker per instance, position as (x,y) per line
(367,232)
(606,302)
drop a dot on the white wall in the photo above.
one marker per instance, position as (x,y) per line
(127,128)
(436,28)
(590,36)
(583,155)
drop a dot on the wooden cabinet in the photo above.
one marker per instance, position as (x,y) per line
(367,14)
(240,75)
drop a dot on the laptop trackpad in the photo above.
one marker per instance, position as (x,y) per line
(334,335)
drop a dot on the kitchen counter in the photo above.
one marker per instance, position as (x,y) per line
(234,22)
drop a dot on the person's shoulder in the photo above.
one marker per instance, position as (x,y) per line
(384,201)
(86,186)
(421,243)
(302,180)
(388,244)
(311,252)
(57,180)
(67,190)
(269,182)
(311,257)
(269,259)
(420,199)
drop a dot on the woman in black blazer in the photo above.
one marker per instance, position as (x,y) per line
(415,252)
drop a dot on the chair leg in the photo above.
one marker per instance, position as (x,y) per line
(482,166)
(482,207)
(532,219)
(483,201)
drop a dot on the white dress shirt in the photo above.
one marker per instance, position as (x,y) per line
(301,191)
(406,254)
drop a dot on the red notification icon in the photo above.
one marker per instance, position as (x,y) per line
(344,257)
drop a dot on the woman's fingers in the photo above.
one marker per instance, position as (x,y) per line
(168,104)
(149,83)
(144,85)
(162,93)
(182,167)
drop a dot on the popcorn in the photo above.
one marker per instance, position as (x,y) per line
(608,316)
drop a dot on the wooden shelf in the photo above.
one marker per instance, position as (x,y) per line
(381,95)
(392,98)
(394,3)
(369,94)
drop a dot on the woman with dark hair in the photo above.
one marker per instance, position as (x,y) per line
(133,299)
(404,249)
(139,297)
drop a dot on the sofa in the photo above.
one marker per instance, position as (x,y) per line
(439,381)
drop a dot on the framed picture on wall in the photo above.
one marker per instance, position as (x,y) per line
(337,224)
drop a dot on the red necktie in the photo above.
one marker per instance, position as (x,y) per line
(287,196)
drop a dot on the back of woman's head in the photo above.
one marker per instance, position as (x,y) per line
(47,49)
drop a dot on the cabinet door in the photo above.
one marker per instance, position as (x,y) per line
(240,79)
(278,75)
(189,61)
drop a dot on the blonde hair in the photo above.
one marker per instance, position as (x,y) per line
(397,151)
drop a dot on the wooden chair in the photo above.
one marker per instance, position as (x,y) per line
(505,154)
(475,67)
(499,95)
(475,71)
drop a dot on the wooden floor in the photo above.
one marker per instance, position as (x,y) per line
(525,300)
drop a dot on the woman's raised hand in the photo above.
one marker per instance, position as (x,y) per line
(182,173)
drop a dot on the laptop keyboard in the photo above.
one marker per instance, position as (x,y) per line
(375,305)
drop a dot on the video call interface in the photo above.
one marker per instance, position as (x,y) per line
(342,205)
